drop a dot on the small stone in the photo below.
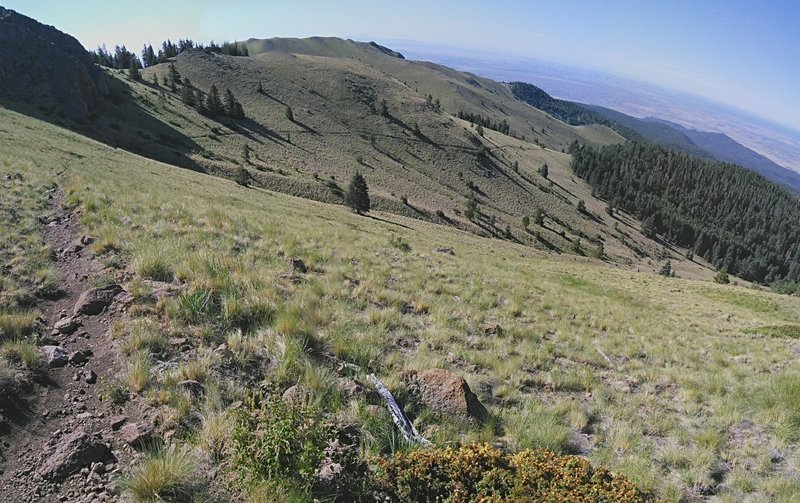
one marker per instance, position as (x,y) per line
(776,456)
(66,326)
(87,240)
(80,357)
(138,435)
(56,356)
(84,416)
(90,377)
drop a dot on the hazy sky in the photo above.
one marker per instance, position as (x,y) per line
(746,54)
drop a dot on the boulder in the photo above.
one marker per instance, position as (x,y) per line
(137,435)
(92,302)
(66,326)
(56,356)
(72,453)
(444,392)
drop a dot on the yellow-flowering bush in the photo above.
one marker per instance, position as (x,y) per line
(485,474)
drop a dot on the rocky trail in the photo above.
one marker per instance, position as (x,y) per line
(65,441)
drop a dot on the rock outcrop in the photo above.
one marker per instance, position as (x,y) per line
(73,452)
(92,302)
(47,67)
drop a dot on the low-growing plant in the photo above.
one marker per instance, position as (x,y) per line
(163,475)
(482,473)
(275,441)
(24,352)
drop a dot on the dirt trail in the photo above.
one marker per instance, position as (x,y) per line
(68,399)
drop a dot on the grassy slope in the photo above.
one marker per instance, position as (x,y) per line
(660,373)
(335,132)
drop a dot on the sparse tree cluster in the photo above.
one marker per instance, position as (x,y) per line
(212,104)
(486,122)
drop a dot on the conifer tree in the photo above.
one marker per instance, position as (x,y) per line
(133,70)
(357,195)
(230,103)
(213,103)
(187,94)
(544,170)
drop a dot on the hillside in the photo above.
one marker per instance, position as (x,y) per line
(588,359)
(189,313)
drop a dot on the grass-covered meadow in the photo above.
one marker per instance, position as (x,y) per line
(675,383)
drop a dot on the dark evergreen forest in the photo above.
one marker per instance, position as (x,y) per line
(730,216)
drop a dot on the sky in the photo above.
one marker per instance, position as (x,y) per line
(741,53)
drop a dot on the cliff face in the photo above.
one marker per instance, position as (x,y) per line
(43,66)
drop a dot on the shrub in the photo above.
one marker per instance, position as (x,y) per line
(482,473)
(722,277)
(274,441)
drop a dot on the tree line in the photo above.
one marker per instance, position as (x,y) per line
(123,59)
(735,219)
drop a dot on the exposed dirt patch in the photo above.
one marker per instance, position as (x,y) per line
(70,398)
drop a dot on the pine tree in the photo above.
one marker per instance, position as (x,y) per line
(526,222)
(289,114)
(544,170)
(260,88)
(213,103)
(666,269)
(187,94)
(230,103)
(133,70)
(581,206)
(357,195)
(174,76)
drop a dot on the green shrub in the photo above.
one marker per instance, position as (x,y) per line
(274,441)
(283,445)
(482,473)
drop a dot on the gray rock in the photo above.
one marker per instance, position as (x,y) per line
(137,435)
(56,356)
(90,377)
(66,326)
(93,301)
(80,357)
(72,453)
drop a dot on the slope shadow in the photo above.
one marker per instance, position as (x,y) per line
(119,121)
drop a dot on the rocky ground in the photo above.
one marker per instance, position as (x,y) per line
(67,441)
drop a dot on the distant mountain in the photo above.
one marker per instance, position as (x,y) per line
(777,142)
(567,111)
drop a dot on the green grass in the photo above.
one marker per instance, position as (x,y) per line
(162,475)
(652,369)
